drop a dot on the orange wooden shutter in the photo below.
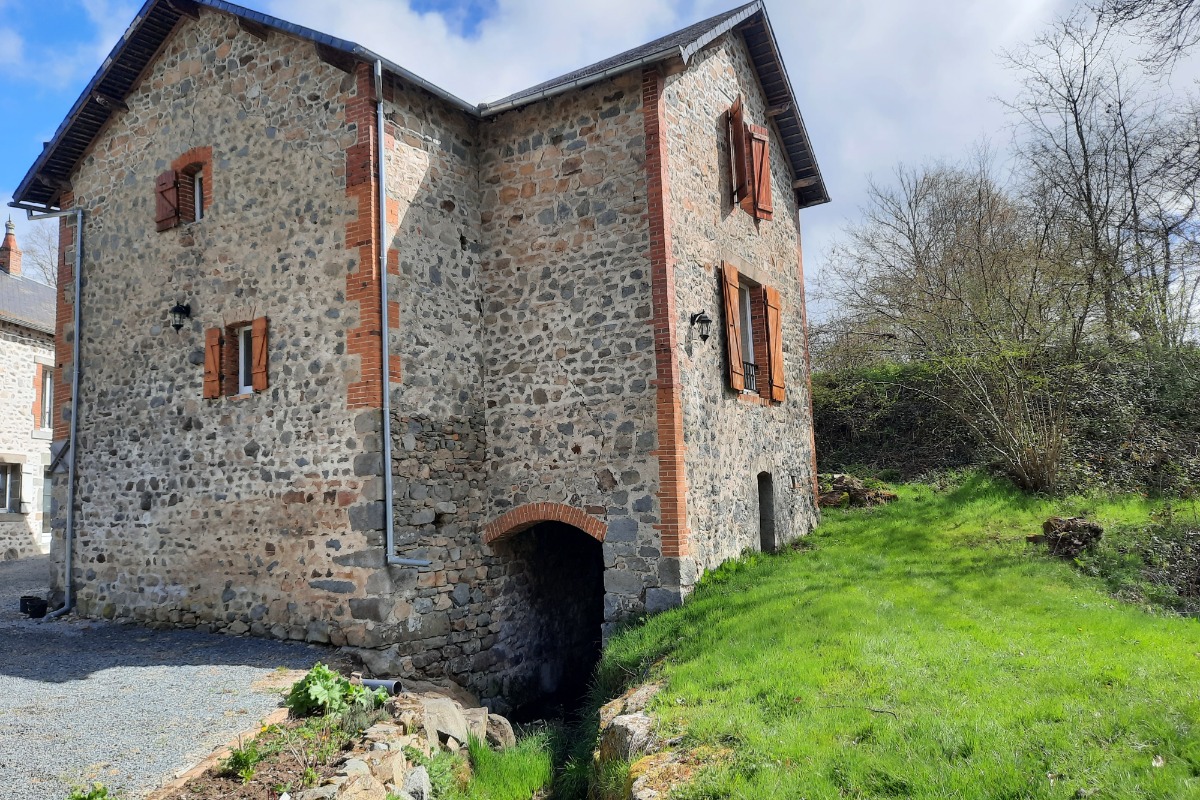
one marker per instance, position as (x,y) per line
(738,153)
(775,343)
(212,363)
(733,328)
(166,193)
(258,335)
(760,158)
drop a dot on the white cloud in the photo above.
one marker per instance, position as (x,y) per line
(12,47)
(522,42)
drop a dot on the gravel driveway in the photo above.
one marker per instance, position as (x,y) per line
(119,704)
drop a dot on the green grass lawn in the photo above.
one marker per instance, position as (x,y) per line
(924,650)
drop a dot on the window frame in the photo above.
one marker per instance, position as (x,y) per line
(245,359)
(198,195)
(11,475)
(46,391)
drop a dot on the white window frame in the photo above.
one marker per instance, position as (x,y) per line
(747,323)
(198,194)
(12,472)
(245,364)
(47,400)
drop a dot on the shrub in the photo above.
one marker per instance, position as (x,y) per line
(97,791)
(323,691)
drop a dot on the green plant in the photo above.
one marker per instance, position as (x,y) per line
(242,761)
(97,791)
(323,691)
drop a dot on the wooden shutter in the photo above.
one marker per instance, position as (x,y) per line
(738,153)
(212,363)
(258,335)
(760,158)
(775,343)
(166,192)
(733,328)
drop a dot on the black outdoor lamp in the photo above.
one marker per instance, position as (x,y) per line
(705,322)
(179,313)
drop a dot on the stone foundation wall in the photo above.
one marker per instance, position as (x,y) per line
(730,439)
(22,442)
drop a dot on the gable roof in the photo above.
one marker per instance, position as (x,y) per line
(150,29)
(26,303)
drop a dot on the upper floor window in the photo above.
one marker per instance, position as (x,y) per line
(183,193)
(235,359)
(750,160)
(245,360)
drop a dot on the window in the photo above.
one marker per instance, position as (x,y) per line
(184,192)
(245,351)
(235,359)
(750,160)
(198,195)
(749,367)
(47,398)
(10,488)
(753,336)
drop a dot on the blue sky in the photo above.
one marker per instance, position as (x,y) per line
(878,81)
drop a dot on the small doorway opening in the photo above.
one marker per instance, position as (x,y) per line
(555,607)
(766,513)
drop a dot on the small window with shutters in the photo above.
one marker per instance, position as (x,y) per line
(235,359)
(753,336)
(750,163)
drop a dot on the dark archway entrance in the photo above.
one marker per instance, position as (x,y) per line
(554,602)
(766,513)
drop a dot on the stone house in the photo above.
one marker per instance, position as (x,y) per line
(590,384)
(26,375)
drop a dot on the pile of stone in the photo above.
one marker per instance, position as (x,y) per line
(840,491)
(425,721)
(1067,537)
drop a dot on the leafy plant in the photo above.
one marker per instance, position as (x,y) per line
(324,691)
(97,791)
(242,761)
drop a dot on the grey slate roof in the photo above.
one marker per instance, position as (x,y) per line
(26,303)
(660,49)
(158,18)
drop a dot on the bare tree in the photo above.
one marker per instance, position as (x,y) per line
(947,268)
(1169,27)
(1112,166)
(39,250)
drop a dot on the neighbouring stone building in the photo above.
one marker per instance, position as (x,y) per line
(26,373)
(596,360)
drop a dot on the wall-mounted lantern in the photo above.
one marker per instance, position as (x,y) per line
(704,322)
(179,313)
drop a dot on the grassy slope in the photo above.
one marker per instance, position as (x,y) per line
(992,672)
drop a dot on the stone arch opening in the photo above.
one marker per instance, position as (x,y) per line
(766,513)
(553,609)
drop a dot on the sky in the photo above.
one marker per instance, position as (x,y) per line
(879,82)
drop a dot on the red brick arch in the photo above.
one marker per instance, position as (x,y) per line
(526,516)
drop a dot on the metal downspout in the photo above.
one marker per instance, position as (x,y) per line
(69,534)
(389,523)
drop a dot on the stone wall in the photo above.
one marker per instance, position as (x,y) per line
(22,442)
(236,512)
(568,362)
(730,439)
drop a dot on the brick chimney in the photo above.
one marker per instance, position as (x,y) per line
(10,254)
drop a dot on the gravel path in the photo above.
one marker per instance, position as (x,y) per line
(119,704)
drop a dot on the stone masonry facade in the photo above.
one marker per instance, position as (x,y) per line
(565,453)
(24,444)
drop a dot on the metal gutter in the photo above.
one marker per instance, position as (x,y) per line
(389,521)
(492,110)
